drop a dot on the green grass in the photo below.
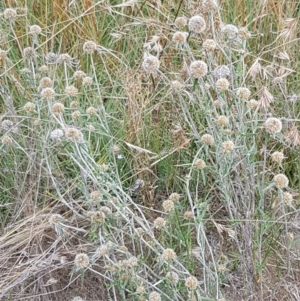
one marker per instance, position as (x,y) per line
(232,228)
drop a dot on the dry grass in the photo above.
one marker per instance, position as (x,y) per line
(151,164)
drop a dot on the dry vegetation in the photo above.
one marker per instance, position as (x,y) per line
(149,150)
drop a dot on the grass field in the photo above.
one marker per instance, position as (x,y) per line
(149,150)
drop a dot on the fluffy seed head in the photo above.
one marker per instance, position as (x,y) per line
(140,290)
(81,261)
(29,52)
(281,180)
(181,22)
(151,64)
(188,215)
(71,91)
(45,82)
(47,93)
(132,261)
(173,277)
(74,105)
(208,5)
(217,104)
(89,47)
(87,81)
(75,115)
(44,69)
(228,146)
(196,24)
(191,283)
(174,197)
(273,125)
(168,254)
(91,128)
(177,85)
(56,134)
(222,120)
(198,69)
(91,111)
(159,222)
(58,108)
(154,296)
(209,45)
(168,205)
(244,33)
(243,93)
(221,71)
(35,30)
(288,199)
(106,210)
(36,122)
(29,107)
(78,74)
(208,139)
(74,135)
(222,268)
(10,14)
(180,37)
(3,54)
(222,84)
(200,164)
(64,58)
(95,196)
(277,157)
(7,124)
(6,139)
(230,31)
(252,104)
(51,58)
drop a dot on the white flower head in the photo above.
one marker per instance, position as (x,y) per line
(221,71)
(181,22)
(273,125)
(209,45)
(89,47)
(81,260)
(191,282)
(74,135)
(197,24)
(150,64)
(198,69)
(10,14)
(281,180)
(230,31)
(35,30)
(56,134)
(180,37)
(154,296)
